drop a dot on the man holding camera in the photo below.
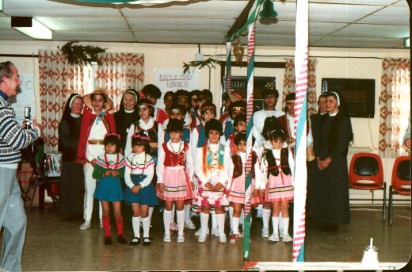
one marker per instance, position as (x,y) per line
(13,138)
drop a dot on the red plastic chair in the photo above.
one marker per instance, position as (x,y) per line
(366,173)
(401,181)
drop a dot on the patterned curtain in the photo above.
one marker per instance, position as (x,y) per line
(394,106)
(57,79)
(119,72)
(289,83)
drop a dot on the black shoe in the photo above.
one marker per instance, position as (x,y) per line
(146,241)
(121,240)
(135,241)
(108,240)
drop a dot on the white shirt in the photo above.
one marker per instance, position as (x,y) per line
(138,164)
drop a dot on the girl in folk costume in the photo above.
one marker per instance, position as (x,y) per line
(279,185)
(140,191)
(108,170)
(96,123)
(178,112)
(212,177)
(239,125)
(147,125)
(236,172)
(174,170)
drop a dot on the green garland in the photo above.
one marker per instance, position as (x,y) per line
(200,64)
(80,54)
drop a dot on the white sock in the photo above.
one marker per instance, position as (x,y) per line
(220,218)
(285,221)
(204,222)
(188,214)
(146,226)
(280,224)
(230,210)
(265,218)
(166,221)
(180,215)
(150,213)
(235,225)
(136,226)
(172,215)
(214,221)
(259,210)
(275,224)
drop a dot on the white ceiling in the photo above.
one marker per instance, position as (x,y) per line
(332,23)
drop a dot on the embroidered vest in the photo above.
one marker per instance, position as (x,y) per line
(273,168)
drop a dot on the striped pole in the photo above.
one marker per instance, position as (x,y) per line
(300,178)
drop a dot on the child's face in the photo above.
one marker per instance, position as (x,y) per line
(176,114)
(276,143)
(144,113)
(240,126)
(138,148)
(152,99)
(241,146)
(175,136)
(214,136)
(208,115)
(110,148)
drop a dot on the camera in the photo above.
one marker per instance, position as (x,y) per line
(27,117)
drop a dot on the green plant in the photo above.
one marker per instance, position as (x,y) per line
(81,54)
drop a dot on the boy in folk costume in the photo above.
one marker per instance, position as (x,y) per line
(96,123)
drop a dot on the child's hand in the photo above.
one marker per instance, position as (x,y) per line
(115,173)
(93,162)
(136,189)
(209,186)
(218,187)
(161,187)
(108,173)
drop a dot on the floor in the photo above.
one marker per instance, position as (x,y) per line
(55,243)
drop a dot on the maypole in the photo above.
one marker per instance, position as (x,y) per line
(300,179)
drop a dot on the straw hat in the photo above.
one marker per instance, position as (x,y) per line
(87,99)
(233,96)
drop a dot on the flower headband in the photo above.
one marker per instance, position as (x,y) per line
(141,137)
(112,134)
(145,105)
(276,130)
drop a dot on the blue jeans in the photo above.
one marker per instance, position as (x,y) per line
(13,220)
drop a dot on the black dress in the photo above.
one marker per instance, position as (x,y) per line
(123,120)
(71,185)
(333,191)
(312,203)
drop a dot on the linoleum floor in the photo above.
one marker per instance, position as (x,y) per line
(55,243)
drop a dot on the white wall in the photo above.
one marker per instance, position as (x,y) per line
(332,62)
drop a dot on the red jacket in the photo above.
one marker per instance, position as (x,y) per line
(87,122)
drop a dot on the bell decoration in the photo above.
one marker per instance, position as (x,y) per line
(238,51)
(268,10)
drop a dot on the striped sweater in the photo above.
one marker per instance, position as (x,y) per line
(13,137)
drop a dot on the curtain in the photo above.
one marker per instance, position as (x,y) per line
(394,102)
(289,83)
(57,80)
(119,72)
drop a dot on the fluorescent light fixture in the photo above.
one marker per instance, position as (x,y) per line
(406,42)
(1,5)
(31,27)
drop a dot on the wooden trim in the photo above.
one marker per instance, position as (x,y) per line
(256,65)
(19,56)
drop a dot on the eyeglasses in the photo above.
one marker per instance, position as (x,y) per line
(18,77)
